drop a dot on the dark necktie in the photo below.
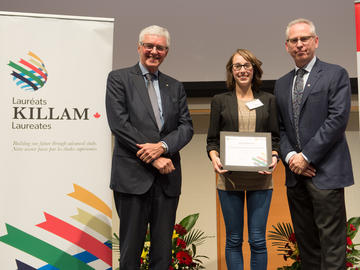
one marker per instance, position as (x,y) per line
(296,98)
(153,99)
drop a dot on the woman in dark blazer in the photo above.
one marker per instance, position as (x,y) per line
(231,112)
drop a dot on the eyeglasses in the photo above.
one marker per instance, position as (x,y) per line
(304,39)
(238,66)
(150,47)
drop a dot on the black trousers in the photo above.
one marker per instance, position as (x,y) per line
(135,213)
(319,220)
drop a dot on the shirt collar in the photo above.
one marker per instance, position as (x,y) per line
(144,70)
(309,66)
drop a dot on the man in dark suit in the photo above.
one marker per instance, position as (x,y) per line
(149,118)
(314,105)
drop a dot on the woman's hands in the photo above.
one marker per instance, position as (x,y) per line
(215,159)
(272,166)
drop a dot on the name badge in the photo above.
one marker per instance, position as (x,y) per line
(254,104)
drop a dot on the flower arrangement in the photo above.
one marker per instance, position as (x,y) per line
(283,238)
(185,239)
(352,254)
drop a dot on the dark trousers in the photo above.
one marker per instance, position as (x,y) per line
(319,220)
(135,213)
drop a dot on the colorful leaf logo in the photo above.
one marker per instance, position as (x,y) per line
(31,74)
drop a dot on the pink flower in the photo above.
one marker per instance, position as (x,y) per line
(181,243)
(184,258)
(180,229)
(292,238)
(352,227)
(348,241)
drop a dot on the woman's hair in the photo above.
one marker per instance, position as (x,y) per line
(256,63)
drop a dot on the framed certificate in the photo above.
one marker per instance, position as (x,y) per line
(245,151)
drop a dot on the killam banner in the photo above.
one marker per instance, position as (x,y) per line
(55,142)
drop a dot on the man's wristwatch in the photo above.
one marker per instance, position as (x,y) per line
(164,146)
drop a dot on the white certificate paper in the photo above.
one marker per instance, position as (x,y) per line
(245,151)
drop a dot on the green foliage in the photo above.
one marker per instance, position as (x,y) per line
(352,254)
(283,237)
(355,221)
(189,221)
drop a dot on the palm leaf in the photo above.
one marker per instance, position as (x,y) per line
(195,236)
(115,243)
(281,233)
(193,248)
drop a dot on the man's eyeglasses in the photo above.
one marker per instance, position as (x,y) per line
(150,46)
(238,66)
(304,39)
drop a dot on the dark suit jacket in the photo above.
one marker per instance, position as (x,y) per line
(132,121)
(224,117)
(323,118)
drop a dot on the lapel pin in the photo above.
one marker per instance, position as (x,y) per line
(308,85)
(167,85)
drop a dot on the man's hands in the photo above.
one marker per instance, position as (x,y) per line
(151,153)
(164,165)
(299,165)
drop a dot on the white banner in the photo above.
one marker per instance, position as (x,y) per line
(55,142)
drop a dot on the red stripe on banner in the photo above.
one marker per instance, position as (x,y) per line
(77,237)
(22,61)
(357,23)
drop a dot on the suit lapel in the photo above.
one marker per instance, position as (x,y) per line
(259,112)
(232,104)
(165,96)
(140,88)
(288,93)
(311,81)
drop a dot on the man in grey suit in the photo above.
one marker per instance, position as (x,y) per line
(149,118)
(314,104)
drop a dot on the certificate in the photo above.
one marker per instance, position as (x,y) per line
(245,151)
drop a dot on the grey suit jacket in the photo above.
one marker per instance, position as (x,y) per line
(132,121)
(224,117)
(324,114)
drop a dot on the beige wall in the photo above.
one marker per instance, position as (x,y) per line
(198,194)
